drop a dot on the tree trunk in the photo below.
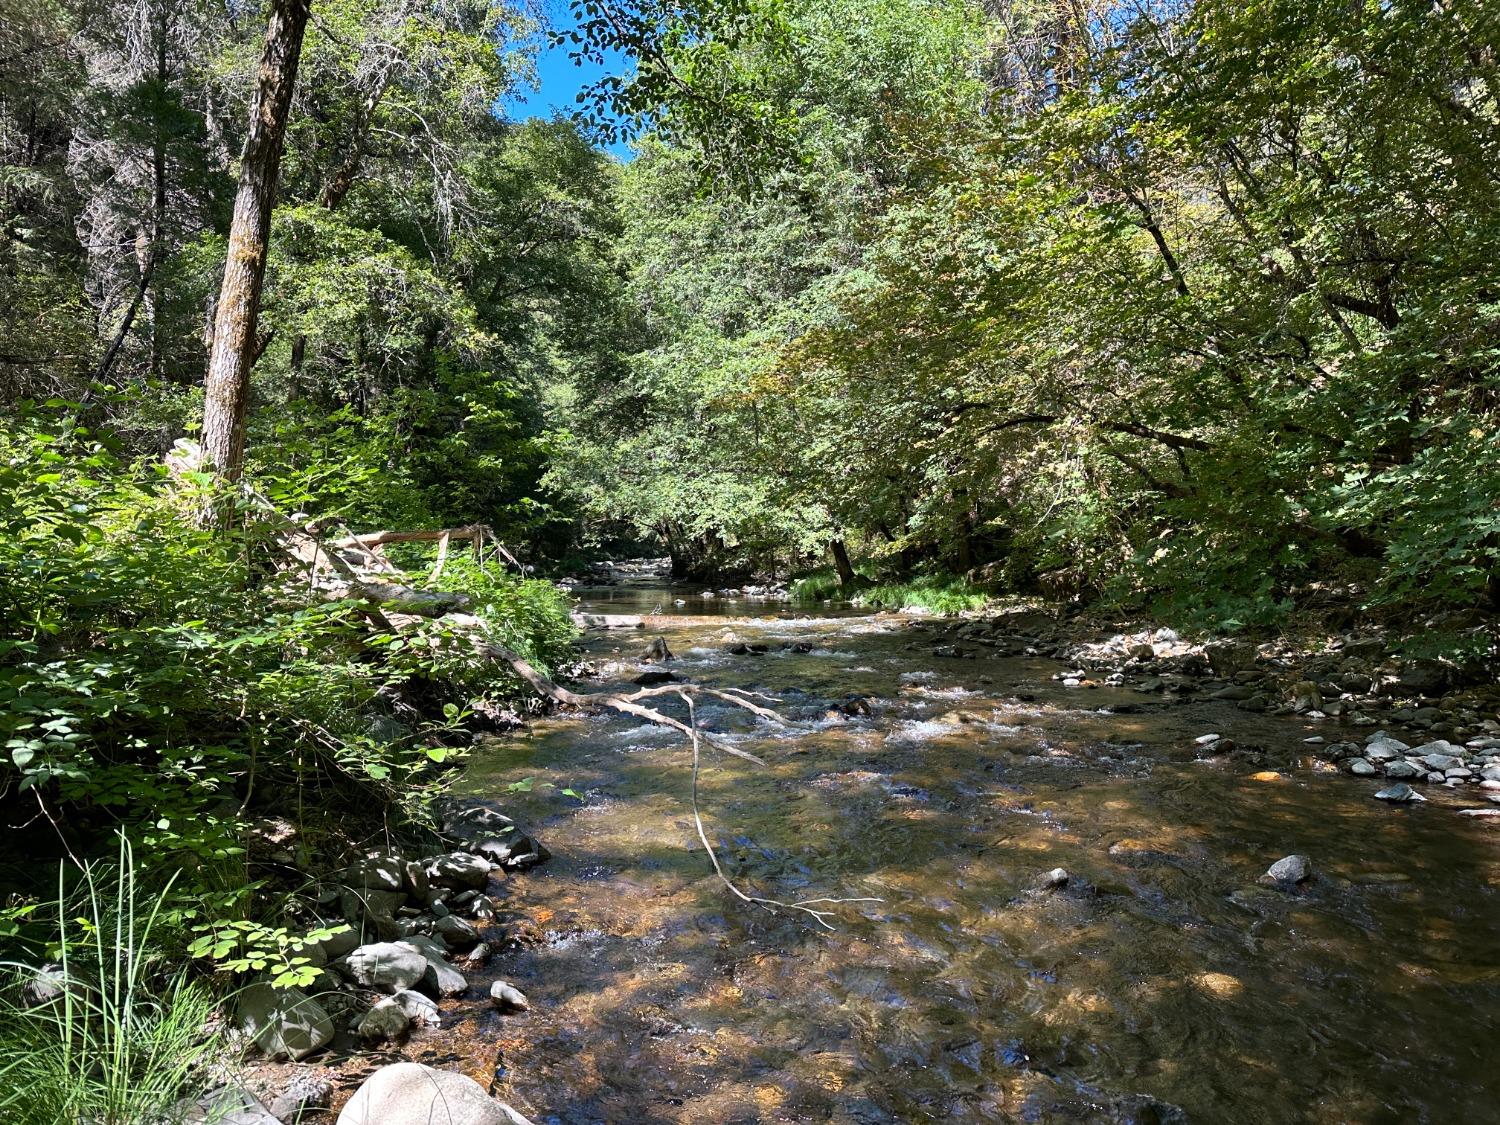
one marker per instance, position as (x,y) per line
(841,563)
(234,345)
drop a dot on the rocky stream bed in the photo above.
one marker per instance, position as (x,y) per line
(1122,877)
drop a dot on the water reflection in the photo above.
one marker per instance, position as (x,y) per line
(1160,975)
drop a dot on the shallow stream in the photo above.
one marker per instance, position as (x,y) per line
(1162,983)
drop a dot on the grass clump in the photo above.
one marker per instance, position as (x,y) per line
(939,593)
(113,1036)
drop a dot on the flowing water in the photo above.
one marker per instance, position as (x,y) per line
(1162,975)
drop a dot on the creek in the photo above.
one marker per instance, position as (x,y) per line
(1161,983)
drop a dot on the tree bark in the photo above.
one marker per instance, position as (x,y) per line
(841,563)
(227,387)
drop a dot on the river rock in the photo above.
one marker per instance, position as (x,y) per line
(284,1022)
(441,978)
(1233,693)
(507,997)
(1289,869)
(384,1021)
(376,873)
(388,966)
(1404,771)
(1440,761)
(409,1093)
(460,870)
(1359,767)
(1490,773)
(421,1010)
(1399,792)
(1385,749)
(456,932)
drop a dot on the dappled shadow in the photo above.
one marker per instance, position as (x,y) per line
(1163,970)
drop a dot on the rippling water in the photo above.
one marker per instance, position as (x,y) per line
(1161,984)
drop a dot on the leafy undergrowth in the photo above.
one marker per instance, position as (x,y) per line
(170,683)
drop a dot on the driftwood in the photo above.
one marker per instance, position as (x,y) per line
(478,534)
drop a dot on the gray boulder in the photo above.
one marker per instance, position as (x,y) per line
(284,1022)
(1404,771)
(1385,749)
(384,1021)
(475,823)
(388,966)
(376,873)
(459,870)
(441,978)
(412,1094)
(456,932)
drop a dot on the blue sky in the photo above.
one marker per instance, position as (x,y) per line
(561,79)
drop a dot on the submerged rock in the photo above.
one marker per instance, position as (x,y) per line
(1053,880)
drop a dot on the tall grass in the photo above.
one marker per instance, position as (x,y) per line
(940,593)
(125,1040)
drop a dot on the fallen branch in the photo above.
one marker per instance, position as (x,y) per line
(806,906)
